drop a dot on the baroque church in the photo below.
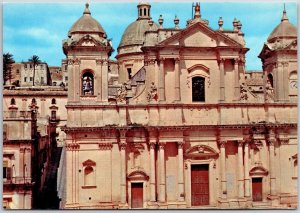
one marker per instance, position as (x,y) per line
(178,126)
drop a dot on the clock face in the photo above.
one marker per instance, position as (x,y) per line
(294,84)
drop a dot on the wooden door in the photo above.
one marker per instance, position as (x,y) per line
(200,185)
(257,189)
(136,195)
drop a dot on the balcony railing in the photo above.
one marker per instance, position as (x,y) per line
(16,114)
(17,180)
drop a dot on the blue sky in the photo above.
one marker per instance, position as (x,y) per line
(39,28)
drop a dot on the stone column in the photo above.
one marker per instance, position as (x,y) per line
(161,81)
(223,169)
(222,80)
(152,172)
(275,81)
(177,79)
(104,84)
(246,170)
(240,170)
(181,195)
(237,93)
(77,79)
(162,178)
(98,80)
(123,171)
(71,81)
(272,166)
(285,82)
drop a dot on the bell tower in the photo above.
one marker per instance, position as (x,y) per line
(279,59)
(87,51)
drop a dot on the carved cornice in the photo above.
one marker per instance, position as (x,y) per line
(72,146)
(105,146)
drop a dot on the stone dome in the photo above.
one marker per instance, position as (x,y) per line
(135,32)
(87,24)
(284,30)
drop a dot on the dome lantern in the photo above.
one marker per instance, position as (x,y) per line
(144,11)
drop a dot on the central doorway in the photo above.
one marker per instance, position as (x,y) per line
(200,184)
(257,189)
(136,195)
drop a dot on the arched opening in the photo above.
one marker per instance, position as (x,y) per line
(88,176)
(148,12)
(87,83)
(141,12)
(198,89)
(270,79)
(53,101)
(145,12)
(12,101)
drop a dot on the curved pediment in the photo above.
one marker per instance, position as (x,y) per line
(201,151)
(258,171)
(138,175)
(199,67)
(89,163)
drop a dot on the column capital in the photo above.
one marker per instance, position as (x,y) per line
(76,61)
(221,60)
(222,143)
(272,141)
(180,144)
(123,145)
(99,61)
(240,143)
(177,59)
(161,145)
(236,60)
(162,59)
(152,144)
(70,62)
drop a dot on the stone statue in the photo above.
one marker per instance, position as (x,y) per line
(122,93)
(152,94)
(243,90)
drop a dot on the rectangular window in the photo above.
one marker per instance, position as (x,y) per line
(129,73)
(66,78)
(42,80)
(41,66)
(25,79)
(66,67)
(30,66)
(53,114)
(25,65)
(31,78)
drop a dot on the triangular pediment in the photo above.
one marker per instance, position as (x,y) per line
(199,35)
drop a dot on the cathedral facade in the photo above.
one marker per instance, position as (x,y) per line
(180,127)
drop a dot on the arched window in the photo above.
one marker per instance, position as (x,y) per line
(33,101)
(145,12)
(141,13)
(148,12)
(53,101)
(198,89)
(270,78)
(12,101)
(87,84)
(89,176)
